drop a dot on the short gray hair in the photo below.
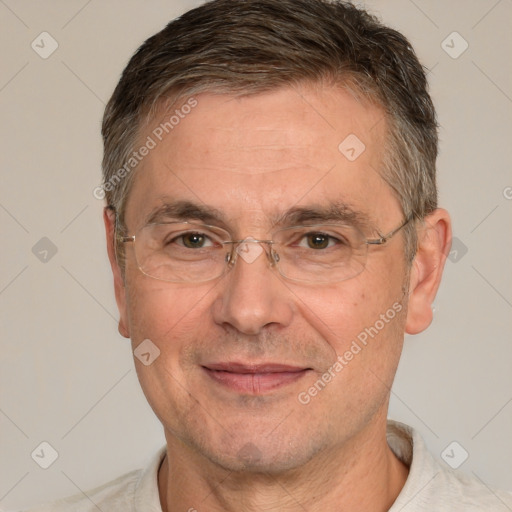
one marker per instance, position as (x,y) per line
(252,46)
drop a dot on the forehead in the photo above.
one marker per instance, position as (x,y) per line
(261,154)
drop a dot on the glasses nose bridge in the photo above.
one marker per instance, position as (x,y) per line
(247,253)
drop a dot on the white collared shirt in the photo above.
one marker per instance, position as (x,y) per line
(430,486)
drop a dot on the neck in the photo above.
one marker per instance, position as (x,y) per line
(362,474)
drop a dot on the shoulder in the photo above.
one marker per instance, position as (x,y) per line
(124,494)
(115,495)
(433,486)
(456,492)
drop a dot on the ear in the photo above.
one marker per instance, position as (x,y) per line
(109,218)
(434,241)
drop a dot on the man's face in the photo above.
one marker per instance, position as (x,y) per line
(253,159)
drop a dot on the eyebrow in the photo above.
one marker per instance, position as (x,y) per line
(333,211)
(185,210)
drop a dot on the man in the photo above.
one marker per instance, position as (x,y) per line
(273,231)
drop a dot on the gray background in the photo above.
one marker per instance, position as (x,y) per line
(67,377)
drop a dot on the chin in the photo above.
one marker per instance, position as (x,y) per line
(268,454)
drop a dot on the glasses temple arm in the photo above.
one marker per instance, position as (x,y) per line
(384,238)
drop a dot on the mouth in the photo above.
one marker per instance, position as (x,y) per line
(254,379)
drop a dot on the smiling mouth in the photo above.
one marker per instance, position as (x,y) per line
(254,379)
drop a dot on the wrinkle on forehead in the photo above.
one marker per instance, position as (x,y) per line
(274,130)
(278,149)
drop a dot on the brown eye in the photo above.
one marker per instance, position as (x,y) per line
(318,241)
(193,240)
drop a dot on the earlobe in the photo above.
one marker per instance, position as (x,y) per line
(123,330)
(119,288)
(434,240)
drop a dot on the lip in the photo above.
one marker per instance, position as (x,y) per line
(254,379)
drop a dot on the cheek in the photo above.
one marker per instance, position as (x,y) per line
(162,309)
(341,313)
(362,320)
(174,318)
(366,337)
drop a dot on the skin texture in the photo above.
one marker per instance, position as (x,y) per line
(251,159)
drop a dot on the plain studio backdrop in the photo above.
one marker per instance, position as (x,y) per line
(67,378)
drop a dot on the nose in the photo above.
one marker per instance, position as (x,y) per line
(253,295)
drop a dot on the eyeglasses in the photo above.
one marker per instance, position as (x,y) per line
(189,252)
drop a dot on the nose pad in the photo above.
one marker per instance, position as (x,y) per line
(250,250)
